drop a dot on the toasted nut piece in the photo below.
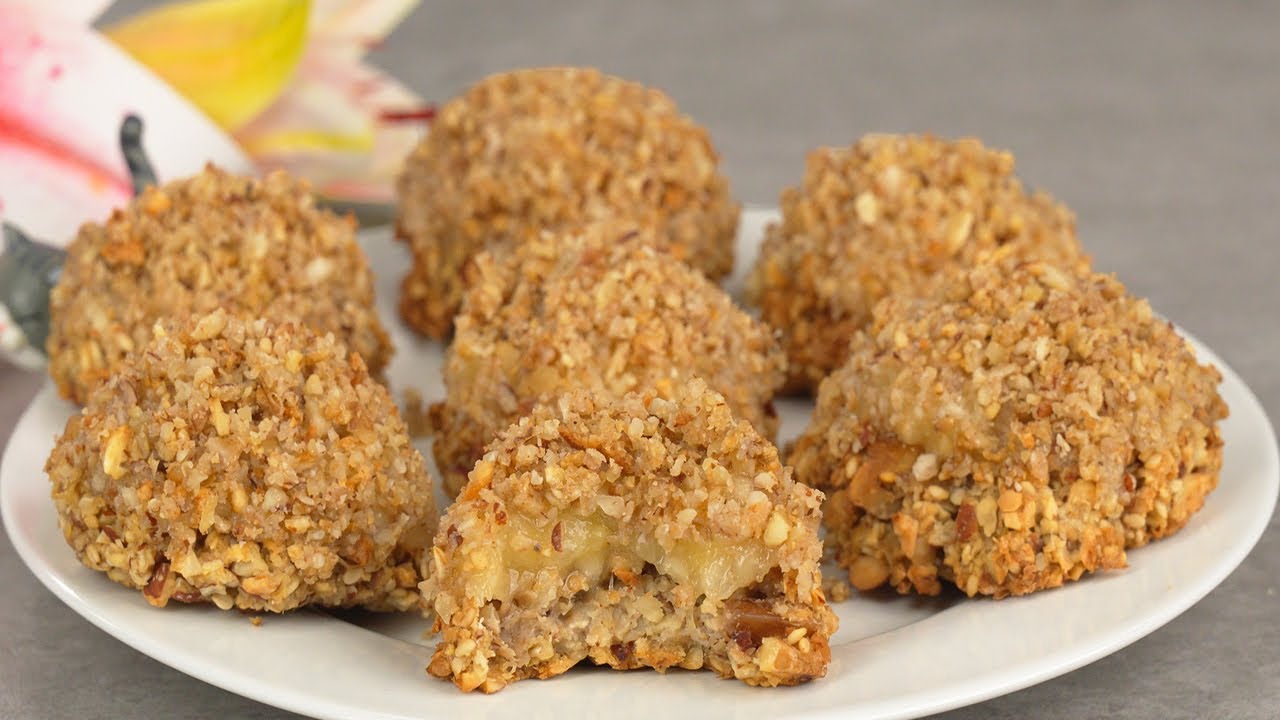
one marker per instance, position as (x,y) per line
(775,533)
(1010,500)
(113,452)
(868,573)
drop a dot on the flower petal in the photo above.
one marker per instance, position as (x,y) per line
(343,125)
(230,57)
(357,24)
(311,116)
(65,91)
(82,11)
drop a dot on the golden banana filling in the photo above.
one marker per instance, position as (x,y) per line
(591,546)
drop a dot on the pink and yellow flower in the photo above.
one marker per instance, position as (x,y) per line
(287,78)
(247,84)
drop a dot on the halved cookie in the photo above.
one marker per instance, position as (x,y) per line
(635,532)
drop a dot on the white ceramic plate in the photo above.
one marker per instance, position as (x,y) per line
(893,657)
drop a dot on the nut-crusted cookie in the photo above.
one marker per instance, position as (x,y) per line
(606,308)
(1023,428)
(247,465)
(891,215)
(534,149)
(214,240)
(638,532)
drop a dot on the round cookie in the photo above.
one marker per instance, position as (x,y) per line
(551,148)
(606,309)
(248,465)
(892,215)
(215,240)
(1022,428)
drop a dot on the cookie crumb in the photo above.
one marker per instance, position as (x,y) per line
(836,589)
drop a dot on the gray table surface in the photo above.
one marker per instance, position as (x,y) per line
(1157,123)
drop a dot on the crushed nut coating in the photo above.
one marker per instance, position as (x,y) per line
(248,465)
(215,240)
(1021,428)
(606,309)
(551,148)
(646,531)
(890,216)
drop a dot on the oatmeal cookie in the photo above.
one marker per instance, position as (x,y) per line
(606,308)
(1023,428)
(534,149)
(891,215)
(248,465)
(215,240)
(646,531)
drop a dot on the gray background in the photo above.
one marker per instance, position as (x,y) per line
(1157,123)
